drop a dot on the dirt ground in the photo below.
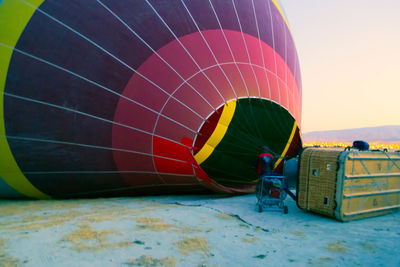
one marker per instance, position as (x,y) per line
(188,231)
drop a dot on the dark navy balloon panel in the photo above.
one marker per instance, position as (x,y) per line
(108,98)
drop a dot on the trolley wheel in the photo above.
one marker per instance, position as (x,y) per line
(285,209)
(259,208)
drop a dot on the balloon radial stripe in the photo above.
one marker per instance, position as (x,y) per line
(261,49)
(273,47)
(89,146)
(104,50)
(209,48)
(245,45)
(229,47)
(177,39)
(99,85)
(86,114)
(141,39)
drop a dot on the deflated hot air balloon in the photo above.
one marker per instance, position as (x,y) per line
(124,97)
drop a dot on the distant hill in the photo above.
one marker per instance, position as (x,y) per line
(384,134)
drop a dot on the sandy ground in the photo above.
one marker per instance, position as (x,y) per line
(188,231)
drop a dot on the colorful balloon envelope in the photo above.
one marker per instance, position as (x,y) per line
(125,97)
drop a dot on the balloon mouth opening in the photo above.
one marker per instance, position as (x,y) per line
(230,140)
(207,129)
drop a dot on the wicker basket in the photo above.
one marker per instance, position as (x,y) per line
(317,180)
(348,185)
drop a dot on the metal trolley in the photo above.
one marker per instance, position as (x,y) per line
(271,190)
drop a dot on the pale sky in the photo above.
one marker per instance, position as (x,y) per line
(349,53)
